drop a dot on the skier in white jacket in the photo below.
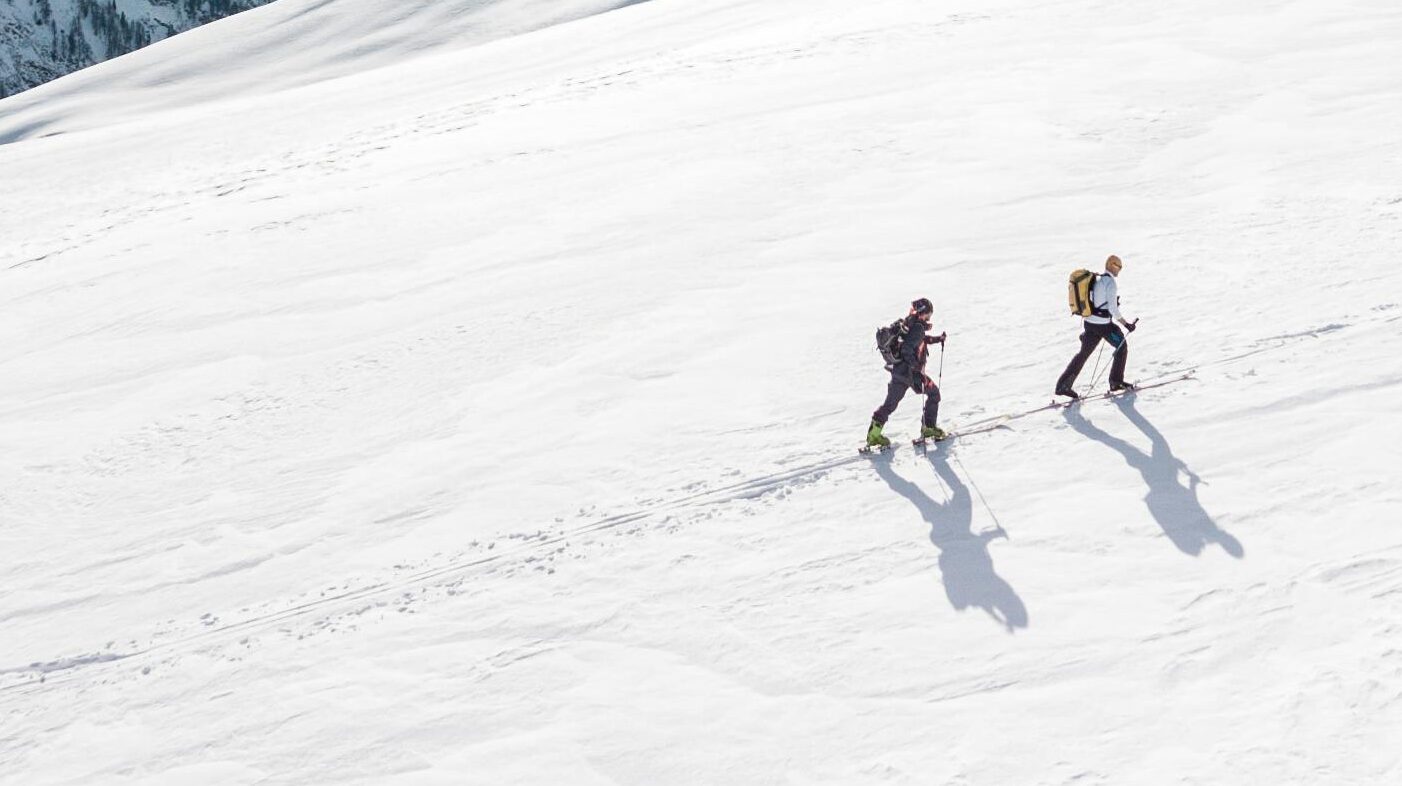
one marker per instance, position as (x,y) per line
(1105,300)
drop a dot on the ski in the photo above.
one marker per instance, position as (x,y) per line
(1001,421)
(1098,397)
(978,427)
(1115,393)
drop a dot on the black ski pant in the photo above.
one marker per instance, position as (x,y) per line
(1092,335)
(896,391)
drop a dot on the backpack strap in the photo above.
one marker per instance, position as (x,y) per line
(1095,310)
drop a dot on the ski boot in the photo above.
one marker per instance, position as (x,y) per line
(928,434)
(1068,392)
(875,439)
(1126,387)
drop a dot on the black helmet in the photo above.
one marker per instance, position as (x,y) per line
(922,306)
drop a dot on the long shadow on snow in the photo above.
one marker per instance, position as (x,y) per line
(1174,505)
(965,564)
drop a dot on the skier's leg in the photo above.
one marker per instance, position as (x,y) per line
(1118,340)
(1089,338)
(932,405)
(894,393)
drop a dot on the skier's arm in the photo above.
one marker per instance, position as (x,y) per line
(1112,302)
(914,344)
(1114,308)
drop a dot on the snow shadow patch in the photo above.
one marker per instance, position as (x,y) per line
(24,131)
(64,664)
(966,567)
(1172,502)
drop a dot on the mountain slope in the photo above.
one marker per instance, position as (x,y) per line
(41,40)
(277,47)
(489,416)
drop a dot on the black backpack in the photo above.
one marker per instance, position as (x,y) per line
(888,342)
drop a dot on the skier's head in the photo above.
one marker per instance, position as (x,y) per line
(922,307)
(1113,265)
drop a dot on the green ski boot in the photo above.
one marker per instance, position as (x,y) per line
(932,433)
(875,439)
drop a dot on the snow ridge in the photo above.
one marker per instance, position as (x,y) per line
(42,40)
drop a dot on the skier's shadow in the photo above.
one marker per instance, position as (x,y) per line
(965,564)
(1174,505)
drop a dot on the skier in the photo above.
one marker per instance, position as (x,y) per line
(909,374)
(1105,299)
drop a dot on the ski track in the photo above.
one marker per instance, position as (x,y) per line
(39,676)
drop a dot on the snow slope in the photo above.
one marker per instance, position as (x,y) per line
(41,40)
(486,415)
(278,46)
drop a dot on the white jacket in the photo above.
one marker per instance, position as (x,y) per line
(1105,294)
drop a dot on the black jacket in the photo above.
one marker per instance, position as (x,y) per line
(911,369)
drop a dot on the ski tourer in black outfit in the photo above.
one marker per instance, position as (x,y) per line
(909,374)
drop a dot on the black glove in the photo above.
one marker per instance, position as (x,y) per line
(1131,326)
(935,339)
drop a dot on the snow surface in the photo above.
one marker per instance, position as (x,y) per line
(486,415)
(41,40)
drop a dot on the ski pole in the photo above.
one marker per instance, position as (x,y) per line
(1123,340)
(1095,375)
(941,375)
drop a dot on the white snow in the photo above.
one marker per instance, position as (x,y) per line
(486,414)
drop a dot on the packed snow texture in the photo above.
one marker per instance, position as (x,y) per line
(486,412)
